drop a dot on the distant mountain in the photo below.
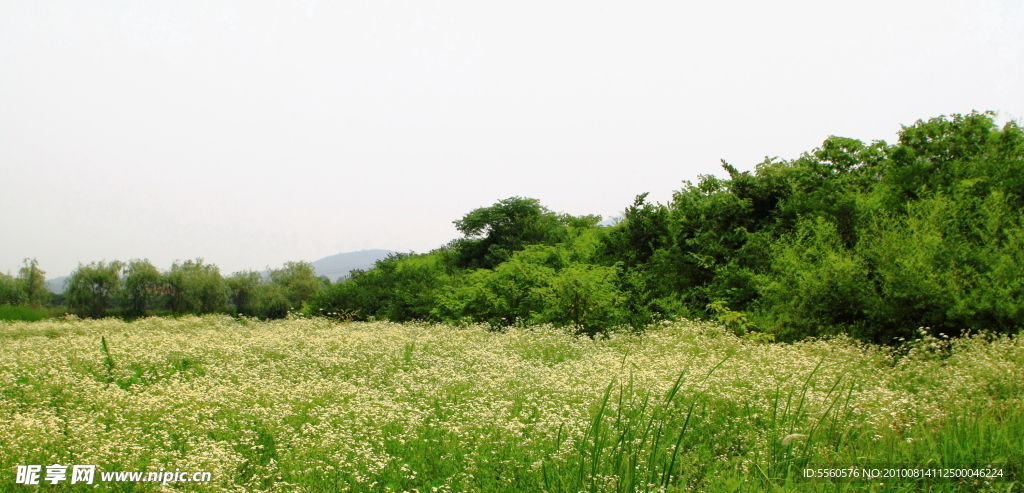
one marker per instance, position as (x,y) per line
(56,284)
(338,266)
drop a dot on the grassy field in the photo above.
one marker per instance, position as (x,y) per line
(315,405)
(25,313)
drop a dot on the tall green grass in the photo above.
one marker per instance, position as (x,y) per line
(675,443)
(24,313)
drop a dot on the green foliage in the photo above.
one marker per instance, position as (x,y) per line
(816,285)
(554,284)
(138,288)
(297,281)
(736,322)
(141,286)
(400,287)
(952,263)
(195,287)
(9,292)
(252,295)
(642,231)
(935,240)
(24,313)
(558,284)
(581,296)
(32,284)
(501,297)
(871,239)
(493,234)
(28,288)
(92,289)
(269,301)
(242,292)
(288,288)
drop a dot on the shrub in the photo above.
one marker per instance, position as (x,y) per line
(816,285)
(401,287)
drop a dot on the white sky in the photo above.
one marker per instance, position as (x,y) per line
(252,133)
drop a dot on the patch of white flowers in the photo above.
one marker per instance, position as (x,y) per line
(264,404)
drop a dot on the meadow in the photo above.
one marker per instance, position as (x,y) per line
(26,313)
(311,404)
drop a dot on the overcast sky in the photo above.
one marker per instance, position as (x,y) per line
(252,133)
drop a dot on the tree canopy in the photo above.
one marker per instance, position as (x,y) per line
(872,239)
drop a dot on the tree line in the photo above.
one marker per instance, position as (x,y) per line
(874,240)
(137,288)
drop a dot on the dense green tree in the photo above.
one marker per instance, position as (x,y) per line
(461,279)
(953,262)
(141,286)
(32,283)
(195,287)
(492,234)
(92,289)
(642,231)
(298,282)
(9,292)
(581,296)
(253,295)
(818,285)
(872,239)
(242,292)
(270,301)
(505,295)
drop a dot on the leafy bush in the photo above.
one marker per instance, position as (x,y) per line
(953,263)
(401,287)
(492,234)
(541,284)
(816,286)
